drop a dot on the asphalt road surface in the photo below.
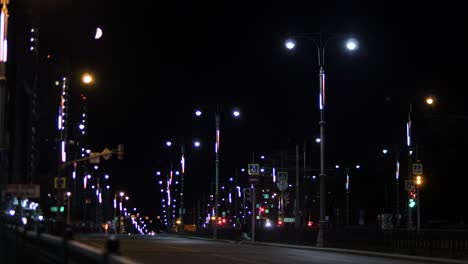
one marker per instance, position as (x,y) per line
(171,249)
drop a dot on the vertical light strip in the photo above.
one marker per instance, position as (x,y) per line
(115,203)
(168,191)
(238,191)
(347,181)
(230,197)
(2,37)
(217,140)
(182,161)
(74,171)
(274,174)
(408,133)
(59,119)
(322,91)
(64,154)
(397,173)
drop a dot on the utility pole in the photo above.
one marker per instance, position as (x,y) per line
(253,212)
(297,220)
(410,175)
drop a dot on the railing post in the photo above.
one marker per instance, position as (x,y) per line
(67,235)
(112,247)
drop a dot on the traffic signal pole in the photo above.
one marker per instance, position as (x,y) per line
(253,212)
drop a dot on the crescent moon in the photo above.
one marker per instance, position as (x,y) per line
(98,33)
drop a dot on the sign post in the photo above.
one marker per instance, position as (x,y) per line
(254,171)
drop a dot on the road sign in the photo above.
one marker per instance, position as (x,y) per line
(24,190)
(253,179)
(283,176)
(282,185)
(106,153)
(59,183)
(409,185)
(253,169)
(417,168)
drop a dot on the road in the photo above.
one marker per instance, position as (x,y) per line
(171,249)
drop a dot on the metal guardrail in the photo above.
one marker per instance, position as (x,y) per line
(20,245)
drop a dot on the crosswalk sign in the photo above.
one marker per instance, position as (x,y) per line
(59,183)
(283,176)
(253,169)
(417,168)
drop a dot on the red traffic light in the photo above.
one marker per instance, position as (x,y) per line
(310,223)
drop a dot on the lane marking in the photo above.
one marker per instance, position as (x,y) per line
(238,259)
(185,249)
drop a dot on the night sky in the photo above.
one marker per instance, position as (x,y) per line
(157,61)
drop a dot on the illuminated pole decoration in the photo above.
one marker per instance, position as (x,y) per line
(63,133)
(3,37)
(182,209)
(410,178)
(215,207)
(3,58)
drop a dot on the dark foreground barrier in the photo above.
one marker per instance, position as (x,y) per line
(19,245)
(427,242)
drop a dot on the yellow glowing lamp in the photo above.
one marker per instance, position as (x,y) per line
(418,180)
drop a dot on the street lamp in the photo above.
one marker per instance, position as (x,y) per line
(236,113)
(320,41)
(196,144)
(347,187)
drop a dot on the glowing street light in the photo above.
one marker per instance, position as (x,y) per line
(87,78)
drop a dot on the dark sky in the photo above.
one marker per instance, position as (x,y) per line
(157,61)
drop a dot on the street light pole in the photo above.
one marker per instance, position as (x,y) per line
(182,210)
(215,230)
(120,213)
(322,175)
(410,176)
(321,45)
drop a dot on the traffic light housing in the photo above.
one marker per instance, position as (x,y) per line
(120,151)
(248,194)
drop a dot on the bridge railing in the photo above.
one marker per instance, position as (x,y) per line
(425,242)
(20,245)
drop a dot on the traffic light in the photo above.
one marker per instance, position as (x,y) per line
(411,203)
(262,210)
(412,193)
(120,151)
(248,194)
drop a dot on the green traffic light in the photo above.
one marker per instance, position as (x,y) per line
(412,203)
